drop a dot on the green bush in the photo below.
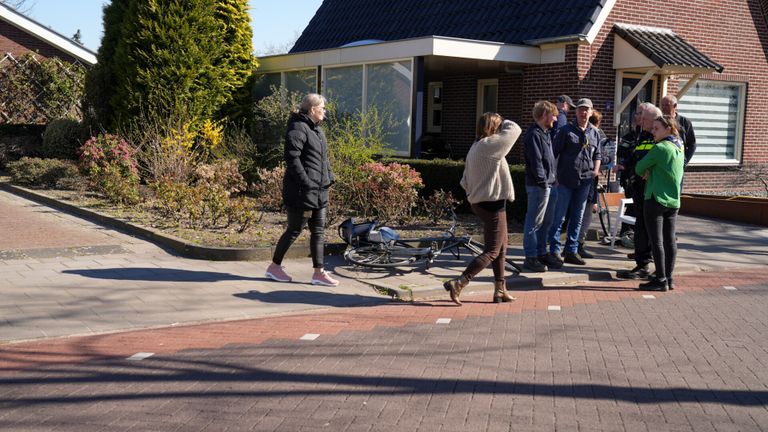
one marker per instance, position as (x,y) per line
(446,175)
(61,139)
(110,164)
(37,172)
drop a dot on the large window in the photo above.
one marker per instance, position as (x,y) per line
(344,88)
(716,110)
(389,92)
(299,81)
(383,86)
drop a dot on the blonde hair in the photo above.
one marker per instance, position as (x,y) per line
(542,107)
(669,122)
(488,124)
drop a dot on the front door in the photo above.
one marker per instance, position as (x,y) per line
(646,94)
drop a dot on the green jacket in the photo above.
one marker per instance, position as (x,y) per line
(664,164)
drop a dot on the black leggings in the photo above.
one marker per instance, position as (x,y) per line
(297,218)
(660,223)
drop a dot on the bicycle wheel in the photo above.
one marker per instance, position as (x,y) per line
(477,249)
(380,256)
(604,214)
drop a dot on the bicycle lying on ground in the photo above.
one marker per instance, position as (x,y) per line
(370,245)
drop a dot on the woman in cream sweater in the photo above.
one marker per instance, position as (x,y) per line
(488,184)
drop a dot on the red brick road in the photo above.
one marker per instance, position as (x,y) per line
(693,359)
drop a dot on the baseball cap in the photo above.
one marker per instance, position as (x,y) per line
(565,98)
(584,102)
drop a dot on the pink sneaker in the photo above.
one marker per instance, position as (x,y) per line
(277,273)
(325,279)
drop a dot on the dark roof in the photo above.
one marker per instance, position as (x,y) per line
(664,47)
(339,22)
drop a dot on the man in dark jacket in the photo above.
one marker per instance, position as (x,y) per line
(539,178)
(687,136)
(307,178)
(576,147)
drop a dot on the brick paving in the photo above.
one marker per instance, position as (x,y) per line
(693,359)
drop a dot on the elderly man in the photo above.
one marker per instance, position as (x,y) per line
(636,188)
(577,150)
(687,136)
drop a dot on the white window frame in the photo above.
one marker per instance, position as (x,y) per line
(481,84)
(741,114)
(432,107)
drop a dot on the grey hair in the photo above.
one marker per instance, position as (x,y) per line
(646,105)
(311,100)
(671,99)
(652,110)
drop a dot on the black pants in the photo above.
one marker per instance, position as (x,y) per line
(660,222)
(643,254)
(297,218)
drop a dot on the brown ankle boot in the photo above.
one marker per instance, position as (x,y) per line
(455,286)
(500,294)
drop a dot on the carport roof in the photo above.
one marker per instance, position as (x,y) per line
(341,22)
(664,47)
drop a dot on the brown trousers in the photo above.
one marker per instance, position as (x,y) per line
(495,250)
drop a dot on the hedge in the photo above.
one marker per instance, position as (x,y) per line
(446,174)
(17,140)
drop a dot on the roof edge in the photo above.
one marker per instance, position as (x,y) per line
(34,28)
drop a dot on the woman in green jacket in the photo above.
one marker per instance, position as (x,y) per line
(662,168)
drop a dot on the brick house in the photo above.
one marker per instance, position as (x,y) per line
(20,34)
(437,65)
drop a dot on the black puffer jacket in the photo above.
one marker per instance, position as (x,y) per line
(307,170)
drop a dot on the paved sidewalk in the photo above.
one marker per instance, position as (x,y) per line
(64,285)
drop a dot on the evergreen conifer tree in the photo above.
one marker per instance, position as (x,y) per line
(100,79)
(236,57)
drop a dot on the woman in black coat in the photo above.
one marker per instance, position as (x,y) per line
(308,176)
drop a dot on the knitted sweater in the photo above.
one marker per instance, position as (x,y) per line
(486,172)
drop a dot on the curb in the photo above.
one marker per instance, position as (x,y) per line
(180,246)
(516,283)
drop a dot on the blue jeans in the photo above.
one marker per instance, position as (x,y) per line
(534,236)
(573,200)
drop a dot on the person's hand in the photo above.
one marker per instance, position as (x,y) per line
(617,168)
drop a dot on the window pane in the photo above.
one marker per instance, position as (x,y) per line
(489,97)
(389,91)
(263,84)
(303,82)
(713,109)
(344,88)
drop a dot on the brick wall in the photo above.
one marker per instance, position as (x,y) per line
(18,42)
(459,110)
(731,32)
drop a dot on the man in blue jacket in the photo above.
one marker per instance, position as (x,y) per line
(539,177)
(577,150)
